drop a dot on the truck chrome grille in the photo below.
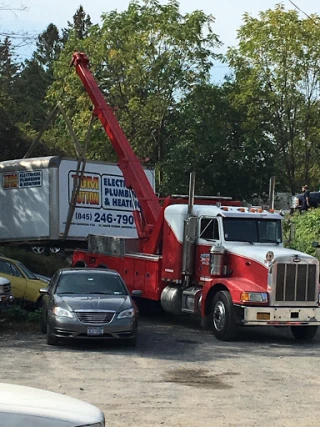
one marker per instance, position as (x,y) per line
(296,282)
(95,316)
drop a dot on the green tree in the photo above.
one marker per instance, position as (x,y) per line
(276,66)
(13,143)
(80,26)
(8,75)
(145,59)
(35,78)
(48,48)
(208,135)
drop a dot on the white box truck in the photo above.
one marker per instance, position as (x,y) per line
(35,198)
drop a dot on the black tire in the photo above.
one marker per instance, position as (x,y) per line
(51,339)
(222,317)
(304,333)
(80,264)
(102,266)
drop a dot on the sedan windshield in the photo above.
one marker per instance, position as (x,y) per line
(252,230)
(90,283)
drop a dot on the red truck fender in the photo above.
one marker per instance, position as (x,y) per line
(235,286)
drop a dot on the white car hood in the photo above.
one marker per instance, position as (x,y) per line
(21,400)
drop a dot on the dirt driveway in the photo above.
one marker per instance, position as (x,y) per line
(179,375)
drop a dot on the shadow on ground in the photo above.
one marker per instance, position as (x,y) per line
(162,336)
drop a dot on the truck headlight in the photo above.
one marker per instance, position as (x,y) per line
(126,314)
(62,312)
(255,297)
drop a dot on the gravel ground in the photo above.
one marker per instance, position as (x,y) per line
(179,375)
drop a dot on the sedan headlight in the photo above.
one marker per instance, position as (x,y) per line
(255,297)
(126,314)
(62,312)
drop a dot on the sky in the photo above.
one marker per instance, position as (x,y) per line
(228,16)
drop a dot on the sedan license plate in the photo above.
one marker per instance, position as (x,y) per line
(95,332)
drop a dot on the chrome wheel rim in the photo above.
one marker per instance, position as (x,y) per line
(54,250)
(219,316)
(38,249)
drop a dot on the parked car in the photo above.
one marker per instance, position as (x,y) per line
(88,303)
(25,284)
(297,200)
(6,297)
(22,406)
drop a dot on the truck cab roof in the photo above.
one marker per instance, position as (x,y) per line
(224,211)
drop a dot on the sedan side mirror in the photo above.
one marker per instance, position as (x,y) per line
(44,291)
(136,293)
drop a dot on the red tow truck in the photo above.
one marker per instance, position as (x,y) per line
(205,256)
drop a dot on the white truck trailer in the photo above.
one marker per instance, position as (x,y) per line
(36,195)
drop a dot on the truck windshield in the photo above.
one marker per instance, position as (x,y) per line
(252,230)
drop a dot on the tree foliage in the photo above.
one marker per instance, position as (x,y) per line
(80,26)
(208,135)
(276,66)
(145,59)
(8,74)
(153,64)
(306,231)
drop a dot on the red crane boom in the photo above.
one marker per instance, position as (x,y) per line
(134,175)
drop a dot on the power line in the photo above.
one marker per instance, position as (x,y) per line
(302,11)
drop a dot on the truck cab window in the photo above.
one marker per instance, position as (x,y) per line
(209,229)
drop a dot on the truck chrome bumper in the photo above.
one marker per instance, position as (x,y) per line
(276,316)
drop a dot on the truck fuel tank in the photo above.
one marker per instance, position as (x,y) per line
(217,260)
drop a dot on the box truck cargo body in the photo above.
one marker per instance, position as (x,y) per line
(35,198)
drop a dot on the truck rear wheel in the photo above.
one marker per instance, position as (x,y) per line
(222,317)
(304,333)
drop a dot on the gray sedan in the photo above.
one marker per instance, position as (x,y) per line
(88,303)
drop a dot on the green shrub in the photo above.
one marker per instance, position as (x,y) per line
(38,263)
(18,314)
(306,231)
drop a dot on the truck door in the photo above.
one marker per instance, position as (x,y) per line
(209,235)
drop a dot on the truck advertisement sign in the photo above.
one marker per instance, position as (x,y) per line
(22,179)
(104,204)
(25,201)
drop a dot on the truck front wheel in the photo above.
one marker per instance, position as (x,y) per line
(222,317)
(304,333)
